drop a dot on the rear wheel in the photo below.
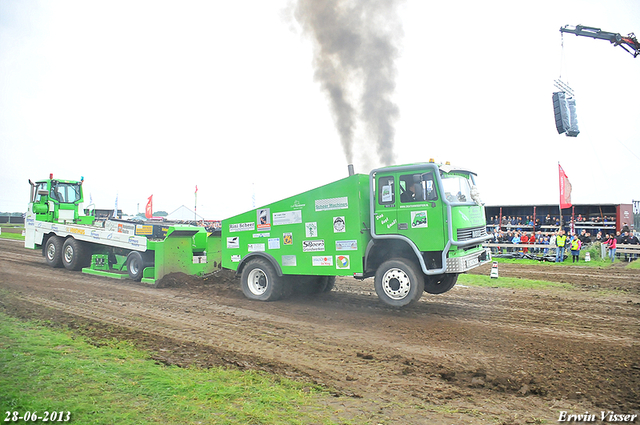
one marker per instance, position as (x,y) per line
(261,282)
(312,284)
(53,251)
(330,282)
(399,282)
(75,254)
(441,283)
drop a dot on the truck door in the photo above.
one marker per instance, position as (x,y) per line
(386,216)
(421,215)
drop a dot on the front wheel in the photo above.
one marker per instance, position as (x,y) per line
(399,282)
(439,284)
(261,282)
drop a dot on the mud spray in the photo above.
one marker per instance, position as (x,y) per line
(355,46)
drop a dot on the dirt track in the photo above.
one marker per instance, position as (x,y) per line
(472,355)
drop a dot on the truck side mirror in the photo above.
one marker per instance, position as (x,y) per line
(43,192)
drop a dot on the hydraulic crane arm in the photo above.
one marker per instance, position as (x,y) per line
(629,43)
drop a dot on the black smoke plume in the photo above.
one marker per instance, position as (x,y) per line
(355,46)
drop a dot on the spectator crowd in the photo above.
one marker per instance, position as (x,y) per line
(529,231)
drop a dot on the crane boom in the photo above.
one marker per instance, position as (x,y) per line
(629,43)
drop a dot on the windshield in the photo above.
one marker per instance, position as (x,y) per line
(66,193)
(460,187)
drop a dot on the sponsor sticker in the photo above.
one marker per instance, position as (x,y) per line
(418,219)
(75,230)
(274,243)
(351,245)
(313,246)
(235,258)
(322,260)
(287,217)
(263,218)
(289,260)
(287,238)
(125,228)
(241,227)
(338,224)
(341,203)
(261,235)
(387,194)
(255,247)
(142,229)
(311,229)
(342,262)
(233,242)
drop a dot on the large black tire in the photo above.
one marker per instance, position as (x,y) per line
(330,282)
(75,254)
(399,282)
(53,251)
(439,284)
(313,284)
(261,282)
(137,262)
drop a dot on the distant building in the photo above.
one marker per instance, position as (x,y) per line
(184,214)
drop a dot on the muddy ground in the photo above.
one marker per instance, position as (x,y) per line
(472,355)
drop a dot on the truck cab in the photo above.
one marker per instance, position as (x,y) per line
(58,201)
(430,216)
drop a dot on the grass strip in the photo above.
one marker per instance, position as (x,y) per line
(50,370)
(10,235)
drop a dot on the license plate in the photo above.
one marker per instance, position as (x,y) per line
(472,262)
(477,233)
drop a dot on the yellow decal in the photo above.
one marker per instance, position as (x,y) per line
(75,230)
(144,230)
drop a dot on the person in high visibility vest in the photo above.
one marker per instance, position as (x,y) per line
(561,241)
(576,244)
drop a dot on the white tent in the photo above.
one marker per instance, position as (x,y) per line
(185,214)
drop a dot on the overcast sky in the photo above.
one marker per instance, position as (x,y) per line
(153,97)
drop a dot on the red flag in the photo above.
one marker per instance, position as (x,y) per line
(149,210)
(565,189)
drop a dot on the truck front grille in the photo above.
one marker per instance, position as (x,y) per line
(471,233)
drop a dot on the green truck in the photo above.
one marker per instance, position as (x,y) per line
(414,228)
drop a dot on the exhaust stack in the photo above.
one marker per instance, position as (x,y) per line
(350,168)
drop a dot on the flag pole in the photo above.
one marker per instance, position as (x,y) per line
(560,198)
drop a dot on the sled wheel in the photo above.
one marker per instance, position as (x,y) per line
(75,254)
(53,251)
